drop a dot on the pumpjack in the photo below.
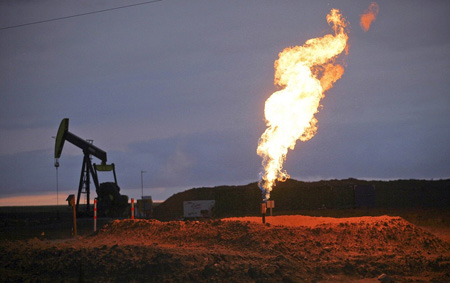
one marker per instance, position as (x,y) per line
(109,201)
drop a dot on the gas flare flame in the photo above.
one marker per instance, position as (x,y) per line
(304,73)
(369,16)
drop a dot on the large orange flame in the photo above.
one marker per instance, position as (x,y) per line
(369,16)
(305,73)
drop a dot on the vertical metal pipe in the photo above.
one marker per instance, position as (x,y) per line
(263,212)
(132,208)
(95,214)
(57,203)
(74,220)
(142,183)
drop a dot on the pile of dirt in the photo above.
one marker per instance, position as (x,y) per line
(303,249)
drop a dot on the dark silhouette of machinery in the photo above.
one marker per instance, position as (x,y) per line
(109,201)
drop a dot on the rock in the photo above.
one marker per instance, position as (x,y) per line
(384,278)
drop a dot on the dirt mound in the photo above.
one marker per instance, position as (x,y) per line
(242,250)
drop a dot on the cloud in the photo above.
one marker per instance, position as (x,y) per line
(372,150)
(197,159)
(182,161)
(34,172)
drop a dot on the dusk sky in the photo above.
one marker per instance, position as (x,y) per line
(177,88)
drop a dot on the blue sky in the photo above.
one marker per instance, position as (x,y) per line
(177,88)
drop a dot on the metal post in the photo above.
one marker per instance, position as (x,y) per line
(74,220)
(263,212)
(142,183)
(57,203)
(71,201)
(270,205)
(56,166)
(88,182)
(132,208)
(95,214)
(82,179)
(57,194)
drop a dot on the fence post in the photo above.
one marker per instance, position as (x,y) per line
(263,212)
(132,208)
(270,205)
(95,214)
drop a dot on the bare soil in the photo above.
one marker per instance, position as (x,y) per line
(286,248)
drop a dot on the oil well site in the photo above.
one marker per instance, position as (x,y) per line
(312,236)
(327,231)
(346,230)
(281,141)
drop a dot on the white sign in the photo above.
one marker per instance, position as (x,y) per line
(198,208)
